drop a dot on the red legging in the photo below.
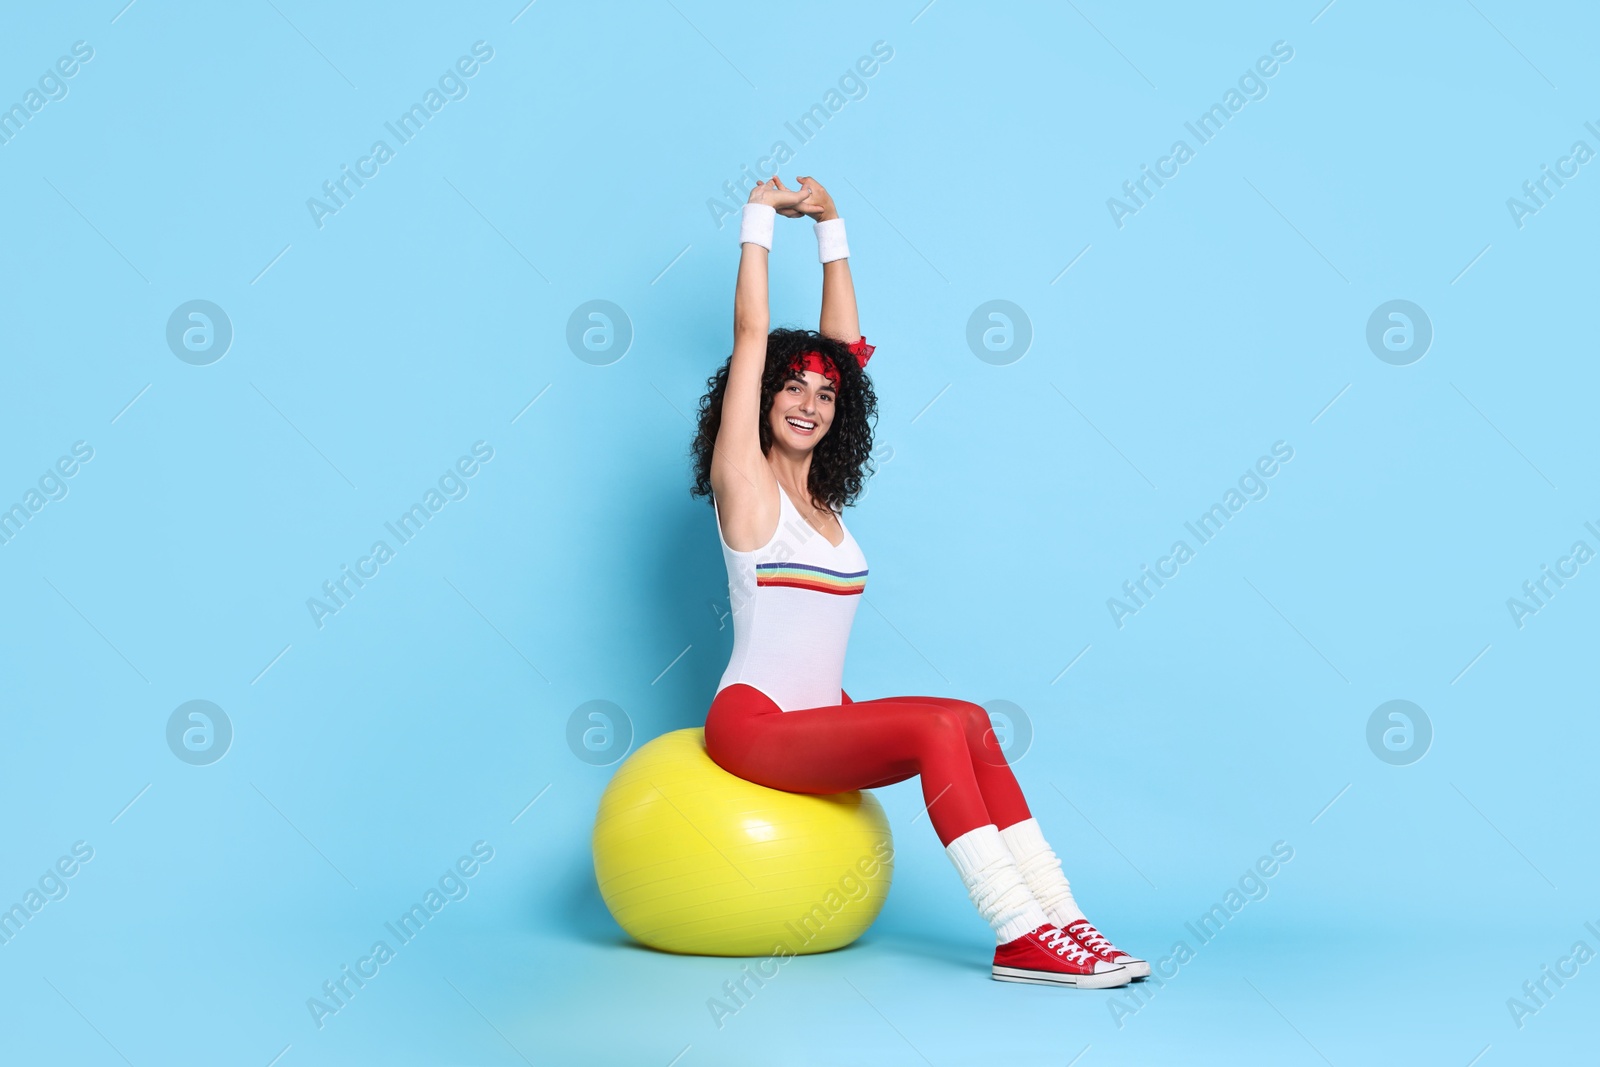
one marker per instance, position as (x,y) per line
(862,744)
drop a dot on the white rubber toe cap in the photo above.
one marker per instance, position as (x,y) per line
(1137,968)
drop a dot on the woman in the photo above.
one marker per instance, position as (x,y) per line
(784,434)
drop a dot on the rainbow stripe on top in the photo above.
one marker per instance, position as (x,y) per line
(817,579)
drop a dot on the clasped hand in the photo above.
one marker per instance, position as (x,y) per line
(810,200)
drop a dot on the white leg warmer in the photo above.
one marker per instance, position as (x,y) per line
(995,884)
(1042,870)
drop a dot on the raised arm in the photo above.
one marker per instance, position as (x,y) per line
(839,317)
(740,478)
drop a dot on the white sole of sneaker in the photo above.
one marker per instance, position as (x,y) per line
(1103,980)
(1141,969)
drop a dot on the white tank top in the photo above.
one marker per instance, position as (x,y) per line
(793,601)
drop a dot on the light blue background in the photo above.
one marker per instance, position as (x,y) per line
(429,312)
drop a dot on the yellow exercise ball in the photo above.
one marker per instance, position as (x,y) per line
(693,859)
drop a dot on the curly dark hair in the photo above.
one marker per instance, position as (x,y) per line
(841,462)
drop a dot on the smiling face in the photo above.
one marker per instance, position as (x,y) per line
(802,411)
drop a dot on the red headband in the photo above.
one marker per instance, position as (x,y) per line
(816,361)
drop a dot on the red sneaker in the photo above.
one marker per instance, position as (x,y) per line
(1050,956)
(1084,933)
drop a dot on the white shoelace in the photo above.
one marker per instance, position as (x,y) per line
(1084,930)
(1064,945)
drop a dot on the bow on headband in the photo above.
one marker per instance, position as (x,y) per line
(816,361)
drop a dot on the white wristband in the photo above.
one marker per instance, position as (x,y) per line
(830,241)
(755,225)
